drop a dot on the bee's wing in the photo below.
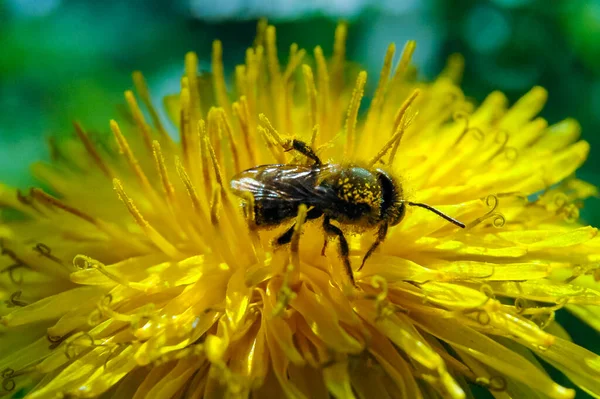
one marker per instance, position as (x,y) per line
(296,183)
(260,182)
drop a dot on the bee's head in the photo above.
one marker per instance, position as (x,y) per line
(392,204)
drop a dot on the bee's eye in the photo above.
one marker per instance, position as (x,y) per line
(388,192)
(399,215)
(390,209)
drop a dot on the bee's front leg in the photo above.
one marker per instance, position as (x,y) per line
(285,238)
(304,149)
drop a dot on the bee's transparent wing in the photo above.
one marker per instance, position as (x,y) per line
(296,183)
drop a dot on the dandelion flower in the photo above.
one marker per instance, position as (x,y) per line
(134,273)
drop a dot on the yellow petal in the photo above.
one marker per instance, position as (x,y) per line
(492,354)
(403,334)
(566,162)
(250,357)
(316,310)
(174,380)
(279,332)
(570,238)
(548,291)
(108,375)
(337,380)
(217,344)
(280,361)
(395,268)
(394,365)
(237,298)
(53,306)
(559,135)
(367,381)
(464,270)
(578,364)
(27,355)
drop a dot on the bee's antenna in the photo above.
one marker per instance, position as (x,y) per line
(437,212)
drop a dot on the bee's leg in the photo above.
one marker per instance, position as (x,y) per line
(286,237)
(344,250)
(305,150)
(325,242)
(381,233)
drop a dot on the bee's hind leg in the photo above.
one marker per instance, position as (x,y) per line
(325,242)
(344,250)
(286,237)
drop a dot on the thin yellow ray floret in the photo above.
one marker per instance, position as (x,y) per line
(351,118)
(150,231)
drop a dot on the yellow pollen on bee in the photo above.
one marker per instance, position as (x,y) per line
(360,194)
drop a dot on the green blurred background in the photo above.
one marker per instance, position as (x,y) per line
(62,60)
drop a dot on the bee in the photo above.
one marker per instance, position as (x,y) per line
(350,195)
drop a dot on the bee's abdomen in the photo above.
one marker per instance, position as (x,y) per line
(271,213)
